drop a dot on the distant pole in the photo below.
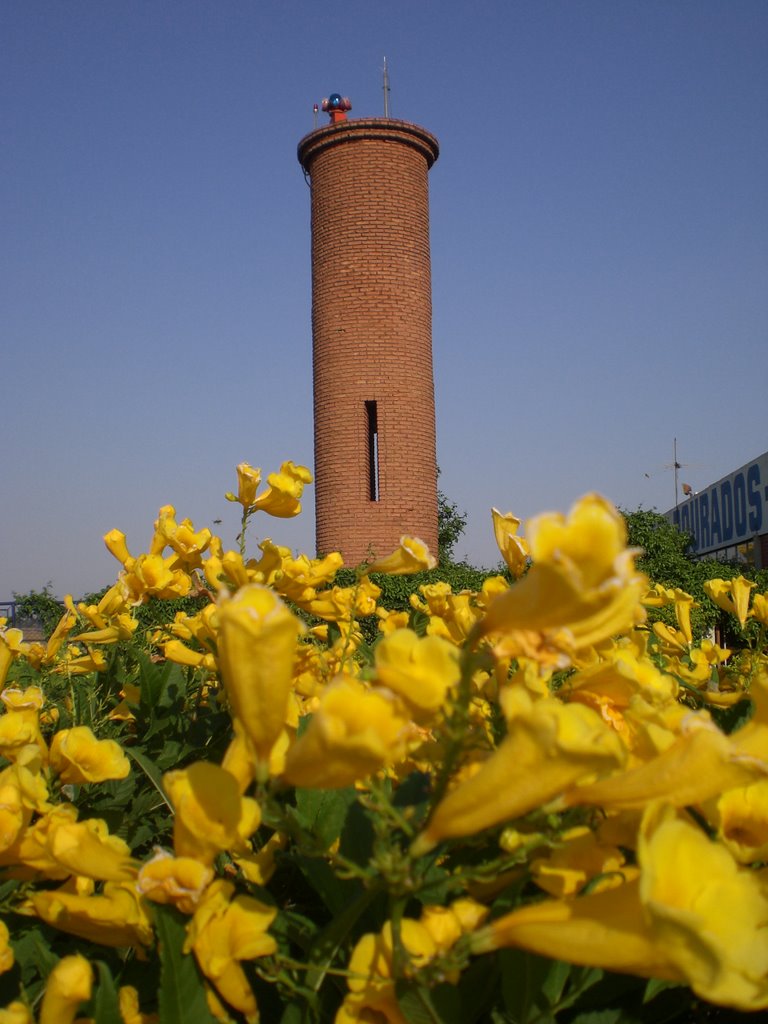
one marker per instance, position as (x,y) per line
(386,89)
(676,465)
(314,116)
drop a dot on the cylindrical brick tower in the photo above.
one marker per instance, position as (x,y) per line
(374,403)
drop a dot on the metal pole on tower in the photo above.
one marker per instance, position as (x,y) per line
(386,89)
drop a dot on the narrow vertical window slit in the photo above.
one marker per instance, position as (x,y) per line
(372,433)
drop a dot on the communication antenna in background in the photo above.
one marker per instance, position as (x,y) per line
(386,89)
(676,467)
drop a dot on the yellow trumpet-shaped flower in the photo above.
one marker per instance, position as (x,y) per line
(549,746)
(11,646)
(281,498)
(16,1013)
(742,820)
(701,763)
(117,546)
(6,952)
(211,815)
(180,881)
(181,538)
(79,757)
(579,858)
(340,604)
(176,651)
(117,917)
(581,590)
(514,549)
(731,595)
(604,929)
(421,670)
(709,922)
(371,980)
(257,649)
(760,608)
(410,556)
(225,931)
(130,1011)
(69,984)
(59,846)
(248,480)
(353,733)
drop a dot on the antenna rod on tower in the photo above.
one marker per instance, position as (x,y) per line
(386,89)
(676,465)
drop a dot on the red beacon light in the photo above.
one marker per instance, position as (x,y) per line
(336,106)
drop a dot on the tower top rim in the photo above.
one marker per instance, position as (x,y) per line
(379,128)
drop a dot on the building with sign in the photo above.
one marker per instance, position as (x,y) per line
(729,519)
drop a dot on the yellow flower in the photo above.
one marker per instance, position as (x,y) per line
(180,881)
(371,981)
(604,929)
(176,651)
(257,649)
(548,747)
(353,733)
(259,866)
(58,845)
(181,538)
(281,498)
(581,590)
(69,984)
(20,727)
(412,555)
(421,670)
(447,924)
(128,999)
(683,605)
(514,549)
(6,952)
(79,757)
(578,858)
(701,763)
(117,917)
(16,1013)
(705,913)
(116,545)
(731,595)
(211,815)
(760,608)
(225,931)
(248,480)
(11,646)
(340,604)
(742,819)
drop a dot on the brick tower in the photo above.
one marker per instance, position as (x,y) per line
(374,402)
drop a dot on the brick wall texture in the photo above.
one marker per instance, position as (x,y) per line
(372,334)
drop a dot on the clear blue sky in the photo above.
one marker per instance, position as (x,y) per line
(599,243)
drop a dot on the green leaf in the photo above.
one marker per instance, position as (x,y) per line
(523,976)
(419,1005)
(555,981)
(106,1006)
(152,772)
(333,891)
(181,996)
(293,1014)
(600,1017)
(327,943)
(479,989)
(657,985)
(323,811)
